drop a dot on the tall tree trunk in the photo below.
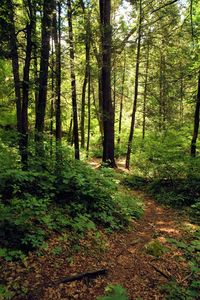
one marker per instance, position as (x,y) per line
(35,54)
(15,63)
(128,155)
(96,108)
(48,6)
(52,99)
(121,100)
(161,93)
(145,94)
(181,96)
(57,40)
(108,113)
(196,120)
(89,110)
(85,82)
(25,89)
(73,81)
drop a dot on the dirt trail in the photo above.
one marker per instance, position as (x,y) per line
(124,256)
(127,262)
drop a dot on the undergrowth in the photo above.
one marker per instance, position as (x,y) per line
(34,205)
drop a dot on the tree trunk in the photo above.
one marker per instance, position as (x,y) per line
(73,81)
(25,89)
(15,63)
(128,155)
(121,100)
(196,120)
(108,113)
(85,82)
(145,94)
(52,99)
(43,76)
(89,111)
(57,41)
(35,58)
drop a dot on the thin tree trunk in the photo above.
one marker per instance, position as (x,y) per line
(108,113)
(73,81)
(52,99)
(196,121)
(96,109)
(15,63)
(181,97)
(83,109)
(87,57)
(89,112)
(161,94)
(128,155)
(57,40)
(121,100)
(145,94)
(35,58)
(43,76)
(25,89)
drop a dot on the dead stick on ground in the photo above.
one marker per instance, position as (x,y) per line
(87,275)
(161,272)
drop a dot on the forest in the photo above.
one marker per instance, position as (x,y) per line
(99,149)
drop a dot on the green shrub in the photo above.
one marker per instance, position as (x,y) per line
(114,292)
(155,248)
(195,212)
(17,183)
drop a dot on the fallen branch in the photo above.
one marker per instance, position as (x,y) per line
(87,275)
(161,272)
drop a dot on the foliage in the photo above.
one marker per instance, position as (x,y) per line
(175,291)
(75,198)
(114,292)
(191,251)
(5,294)
(195,212)
(155,248)
(163,168)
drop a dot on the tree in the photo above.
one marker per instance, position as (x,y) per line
(25,86)
(48,6)
(128,154)
(73,81)
(107,109)
(15,63)
(196,120)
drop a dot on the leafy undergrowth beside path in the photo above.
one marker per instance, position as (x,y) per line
(142,260)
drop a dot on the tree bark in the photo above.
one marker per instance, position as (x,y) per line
(25,89)
(145,94)
(196,121)
(121,100)
(89,111)
(108,113)
(57,41)
(43,76)
(73,81)
(128,155)
(15,63)
(85,82)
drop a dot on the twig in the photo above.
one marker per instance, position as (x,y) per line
(185,278)
(87,275)
(161,272)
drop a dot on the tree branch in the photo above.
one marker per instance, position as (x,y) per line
(166,4)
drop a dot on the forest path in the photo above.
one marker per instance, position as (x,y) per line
(126,260)
(122,254)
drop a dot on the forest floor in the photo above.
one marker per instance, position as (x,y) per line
(122,254)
